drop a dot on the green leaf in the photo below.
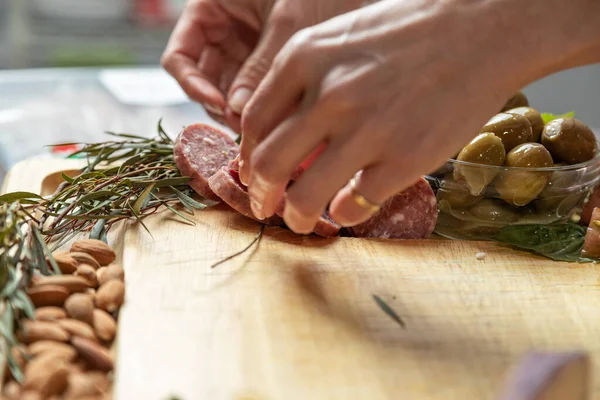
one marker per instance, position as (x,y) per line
(126,136)
(389,311)
(137,217)
(141,202)
(547,117)
(101,194)
(187,201)
(67,178)
(11,285)
(174,211)
(162,133)
(559,242)
(98,232)
(14,368)
(22,301)
(45,254)
(16,196)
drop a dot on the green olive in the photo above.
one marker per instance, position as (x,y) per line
(491,210)
(535,119)
(570,140)
(513,129)
(485,149)
(456,194)
(521,187)
(517,100)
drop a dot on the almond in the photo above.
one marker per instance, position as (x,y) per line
(87,384)
(31,395)
(81,306)
(102,252)
(110,296)
(47,375)
(12,391)
(105,325)
(47,295)
(85,258)
(66,263)
(88,272)
(60,350)
(49,313)
(113,271)
(77,328)
(34,331)
(96,356)
(72,283)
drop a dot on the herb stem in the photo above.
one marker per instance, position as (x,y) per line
(231,257)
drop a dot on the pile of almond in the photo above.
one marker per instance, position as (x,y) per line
(65,352)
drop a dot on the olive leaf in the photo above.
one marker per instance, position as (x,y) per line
(559,242)
(547,117)
(389,311)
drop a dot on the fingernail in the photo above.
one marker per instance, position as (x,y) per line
(296,221)
(242,172)
(257,209)
(258,190)
(239,99)
(217,110)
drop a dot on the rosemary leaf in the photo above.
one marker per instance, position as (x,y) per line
(389,311)
(21,301)
(187,200)
(16,196)
(98,232)
(67,178)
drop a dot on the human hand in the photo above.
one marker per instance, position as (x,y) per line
(220,50)
(392,90)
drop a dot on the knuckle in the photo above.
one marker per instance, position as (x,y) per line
(166,61)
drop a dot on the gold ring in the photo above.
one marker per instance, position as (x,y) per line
(361,200)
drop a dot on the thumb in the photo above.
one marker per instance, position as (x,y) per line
(277,32)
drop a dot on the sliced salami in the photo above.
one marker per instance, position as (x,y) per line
(226,184)
(325,227)
(591,245)
(200,152)
(411,214)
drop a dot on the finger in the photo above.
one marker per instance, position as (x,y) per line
(279,155)
(277,96)
(184,49)
(277,32)
(309,195)
(375,185)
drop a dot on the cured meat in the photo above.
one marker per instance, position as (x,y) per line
(411,214)
(590,206)
(325,226)
(200,151)
(591,245)
(226,184)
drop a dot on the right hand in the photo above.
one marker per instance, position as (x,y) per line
(220,50)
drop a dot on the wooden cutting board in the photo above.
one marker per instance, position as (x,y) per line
(295,317)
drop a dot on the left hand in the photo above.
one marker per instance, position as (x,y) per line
(393,90)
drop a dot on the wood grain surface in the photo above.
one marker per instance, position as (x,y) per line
(295,318)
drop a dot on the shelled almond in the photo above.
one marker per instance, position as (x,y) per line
(65,352)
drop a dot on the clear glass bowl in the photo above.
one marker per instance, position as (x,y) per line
(476,200)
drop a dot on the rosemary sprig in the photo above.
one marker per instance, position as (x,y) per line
(245,249)
(22,251)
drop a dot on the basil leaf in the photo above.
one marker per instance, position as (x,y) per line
(547,117)
(559,242)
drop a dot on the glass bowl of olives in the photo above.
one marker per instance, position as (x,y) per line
(520,169)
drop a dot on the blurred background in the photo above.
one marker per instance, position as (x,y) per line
(72,69)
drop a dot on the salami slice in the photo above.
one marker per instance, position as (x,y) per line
(591,245)
(200,151)
(226,184)
(411,214)
(325,227)
(590,206)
